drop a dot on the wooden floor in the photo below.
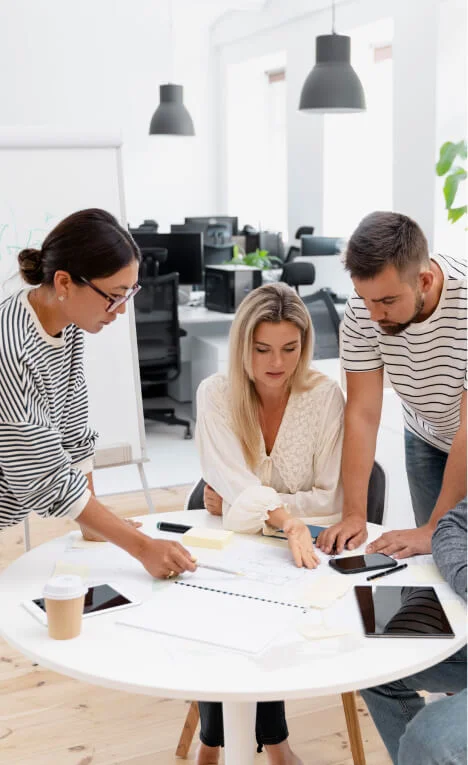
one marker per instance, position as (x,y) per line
(50,719)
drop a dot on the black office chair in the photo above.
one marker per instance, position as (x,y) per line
(158,340)
(294,250)
(376,495)
(315,246)
(321,307)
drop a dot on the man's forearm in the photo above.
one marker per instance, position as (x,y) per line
(356,464)
(454,481)
(99,519)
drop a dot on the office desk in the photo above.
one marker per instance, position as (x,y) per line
(197,321)
(138,661)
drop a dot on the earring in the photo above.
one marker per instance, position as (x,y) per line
(61,298)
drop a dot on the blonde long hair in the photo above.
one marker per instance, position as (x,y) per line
(273,303)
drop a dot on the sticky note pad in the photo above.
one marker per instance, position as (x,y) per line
(215,539)
(325,591)
(63,567)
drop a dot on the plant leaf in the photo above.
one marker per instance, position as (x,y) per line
(451,185)
(457,212)
(448,152)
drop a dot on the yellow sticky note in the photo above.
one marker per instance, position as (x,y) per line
(62,567)
(215,539)
(324,591)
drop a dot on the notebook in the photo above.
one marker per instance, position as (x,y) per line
(245,623)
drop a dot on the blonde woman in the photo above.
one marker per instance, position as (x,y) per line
(269,437)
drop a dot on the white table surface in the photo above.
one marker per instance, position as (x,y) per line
(137,661)
(189,315)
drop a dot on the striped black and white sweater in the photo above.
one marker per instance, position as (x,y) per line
(46,444)
(426,363)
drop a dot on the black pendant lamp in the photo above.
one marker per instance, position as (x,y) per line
(332,85)
(171,117)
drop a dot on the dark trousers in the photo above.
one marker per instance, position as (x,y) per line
(270,725)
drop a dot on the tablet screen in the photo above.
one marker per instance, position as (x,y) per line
(402,612)
(99,598)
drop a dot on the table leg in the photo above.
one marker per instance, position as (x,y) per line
(239,732)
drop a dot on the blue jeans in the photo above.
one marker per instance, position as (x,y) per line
(425,465)
(437,735)
(394,705)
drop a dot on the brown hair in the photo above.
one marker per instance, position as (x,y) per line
(89,243)
(386,239)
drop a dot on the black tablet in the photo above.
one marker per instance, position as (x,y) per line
(402,612)
(99,599)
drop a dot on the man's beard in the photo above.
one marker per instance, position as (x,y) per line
(396,329)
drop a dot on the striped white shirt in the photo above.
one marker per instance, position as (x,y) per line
(426,363)
(46,445)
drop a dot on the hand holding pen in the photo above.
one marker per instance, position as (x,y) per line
(180,528)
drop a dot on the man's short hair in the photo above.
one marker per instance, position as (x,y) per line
(386,239)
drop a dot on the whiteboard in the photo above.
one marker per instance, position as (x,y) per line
(45,176)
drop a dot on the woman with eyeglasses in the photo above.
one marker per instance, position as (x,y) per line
(84,273)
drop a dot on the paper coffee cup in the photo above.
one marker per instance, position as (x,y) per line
(64,602)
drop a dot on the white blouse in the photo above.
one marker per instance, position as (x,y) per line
(302,471)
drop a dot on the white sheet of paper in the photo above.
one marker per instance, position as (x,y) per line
(241,624)
(324,591)
(426,573)
(320,631)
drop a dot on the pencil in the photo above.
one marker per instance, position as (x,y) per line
(219,568)
(386,573)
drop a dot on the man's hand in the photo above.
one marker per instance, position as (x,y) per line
(404,543)
(91,536)
(213,502)
(300,543)
(350,532)
(164,560)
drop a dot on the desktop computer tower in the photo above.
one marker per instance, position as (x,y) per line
(226,286)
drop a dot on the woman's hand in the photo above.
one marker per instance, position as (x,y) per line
(213,502)
(165,560)
(91,536)
(300,543)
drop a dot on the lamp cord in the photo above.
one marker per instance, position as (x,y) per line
(333,17)
(171,43)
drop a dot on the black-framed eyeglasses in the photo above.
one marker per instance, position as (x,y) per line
(114,303)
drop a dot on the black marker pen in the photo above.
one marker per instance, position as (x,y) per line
(178,528)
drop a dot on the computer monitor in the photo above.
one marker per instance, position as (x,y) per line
(184,253)
(231,220)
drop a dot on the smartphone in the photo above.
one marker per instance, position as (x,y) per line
(356,564)
(99,599)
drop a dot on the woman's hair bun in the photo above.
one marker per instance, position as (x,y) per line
(30,263)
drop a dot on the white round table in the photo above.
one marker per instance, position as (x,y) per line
(138,661)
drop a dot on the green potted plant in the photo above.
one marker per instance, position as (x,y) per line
(270,264)
(454,174)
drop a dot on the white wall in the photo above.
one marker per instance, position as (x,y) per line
(98,64)
(451,118)
(417,45)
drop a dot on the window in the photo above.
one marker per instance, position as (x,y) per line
(256,142)
(358,154)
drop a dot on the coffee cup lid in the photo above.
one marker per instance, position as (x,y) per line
(64,587)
